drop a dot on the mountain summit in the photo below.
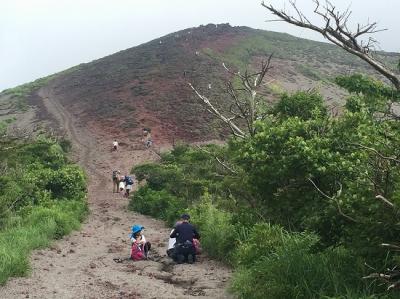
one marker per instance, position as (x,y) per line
(146,86)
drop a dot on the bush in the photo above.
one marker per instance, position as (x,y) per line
(36,231)
(301,104)
(42,197)
(159,204)
(217,231)
(274,263)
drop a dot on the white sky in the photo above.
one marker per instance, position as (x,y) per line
(41,37)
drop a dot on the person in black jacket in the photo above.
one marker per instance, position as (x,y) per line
(184,234)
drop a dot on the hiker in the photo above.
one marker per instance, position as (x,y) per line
(172,241)
(140,247)
(147,137)
(115,178)
(121,185)
(115,145)
(184,250)
(128,184)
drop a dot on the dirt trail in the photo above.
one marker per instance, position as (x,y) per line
(81,265)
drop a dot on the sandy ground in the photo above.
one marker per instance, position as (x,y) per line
(81,264)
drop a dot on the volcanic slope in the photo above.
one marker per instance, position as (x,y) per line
(146,86)
(81,264)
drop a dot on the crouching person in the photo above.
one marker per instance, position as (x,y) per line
(140,247)
(184,248)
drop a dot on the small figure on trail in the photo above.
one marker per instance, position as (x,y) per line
(128,184)
(115,145)
(115,178)
(184,249)
(149,143)
(140,247)
(147,137)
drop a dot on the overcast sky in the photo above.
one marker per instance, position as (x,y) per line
(41,37)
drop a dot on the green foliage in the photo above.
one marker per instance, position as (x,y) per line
(36,230)
(293,207)
(288,154)
(370,94)
(218,234)
(274,263)
(159,204)
(42,197)
(4,124)
(301,104)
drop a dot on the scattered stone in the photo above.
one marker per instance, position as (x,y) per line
(92,265)
(71,251)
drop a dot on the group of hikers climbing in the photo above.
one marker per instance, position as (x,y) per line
(122,183)
(183,243)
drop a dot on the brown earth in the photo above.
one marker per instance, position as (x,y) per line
(81,264)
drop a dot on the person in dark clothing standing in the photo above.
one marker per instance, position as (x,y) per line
(184,247)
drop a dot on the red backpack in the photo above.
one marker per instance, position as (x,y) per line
(136,252)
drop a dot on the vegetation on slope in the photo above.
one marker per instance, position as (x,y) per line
(42,197)
(146,86)
(294,207)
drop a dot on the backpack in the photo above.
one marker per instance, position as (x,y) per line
(128,180)
(136,253)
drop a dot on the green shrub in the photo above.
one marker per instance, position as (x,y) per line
(274,263)
(159,204)
(67,182)
(36,230)
(216,228)
(42,197)
(302,104)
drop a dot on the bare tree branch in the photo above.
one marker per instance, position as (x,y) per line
(229,168)
(234,128)
(385,201)
(246,100)
(334,199)
(376,152)
(335,29)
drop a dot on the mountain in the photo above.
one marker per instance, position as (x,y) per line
(146,86)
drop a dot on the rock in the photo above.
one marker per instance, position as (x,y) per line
(92,265)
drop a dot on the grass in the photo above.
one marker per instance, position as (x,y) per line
(48,202)
(37,230)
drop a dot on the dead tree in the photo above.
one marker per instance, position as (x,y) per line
(246,100)
(335,28)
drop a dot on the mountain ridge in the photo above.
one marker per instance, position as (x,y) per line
(146,85)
